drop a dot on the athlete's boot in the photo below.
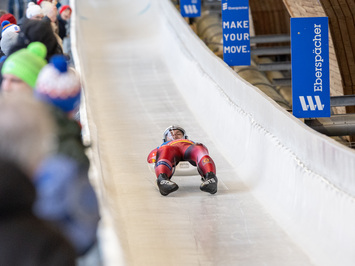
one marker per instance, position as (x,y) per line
(209,183)
(165,185)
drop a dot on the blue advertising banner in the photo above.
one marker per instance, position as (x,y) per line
(310,67)
(236,36)
(190,8)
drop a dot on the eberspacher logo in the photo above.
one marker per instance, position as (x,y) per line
(190,9)
(311,106)
(224,6)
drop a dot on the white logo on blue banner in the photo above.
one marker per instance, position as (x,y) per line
(190,8)
(310,67)
(236,36)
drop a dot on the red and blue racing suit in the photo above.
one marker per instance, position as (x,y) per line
(170,153)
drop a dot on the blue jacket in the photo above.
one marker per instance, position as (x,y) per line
(66,198)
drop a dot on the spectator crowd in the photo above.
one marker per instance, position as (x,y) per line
(49,211)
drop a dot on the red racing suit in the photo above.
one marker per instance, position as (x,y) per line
(170,153)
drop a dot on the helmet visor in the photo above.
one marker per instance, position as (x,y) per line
(174,134)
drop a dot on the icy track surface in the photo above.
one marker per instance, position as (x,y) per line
(285,192)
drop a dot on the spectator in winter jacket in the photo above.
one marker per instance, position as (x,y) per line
(38,31)
(50,12)
(25,239)
(65,195)
(26,137)
(60,87)
(63,18)
(72,205)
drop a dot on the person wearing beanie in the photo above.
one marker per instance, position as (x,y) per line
(50,12)
(63,18)
(34,11)
(59,86)
(8,37)
(20,69)
(7,27)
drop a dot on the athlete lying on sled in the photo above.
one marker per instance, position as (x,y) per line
(177,147)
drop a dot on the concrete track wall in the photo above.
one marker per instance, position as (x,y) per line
(303,178)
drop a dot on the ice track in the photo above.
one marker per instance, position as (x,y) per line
(286,193)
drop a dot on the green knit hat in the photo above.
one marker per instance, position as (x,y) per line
(26,63)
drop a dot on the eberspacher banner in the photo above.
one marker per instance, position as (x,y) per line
(236,36)
(310,67)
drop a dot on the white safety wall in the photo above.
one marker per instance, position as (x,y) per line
(305,179)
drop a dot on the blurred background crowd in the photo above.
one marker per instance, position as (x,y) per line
(49,211)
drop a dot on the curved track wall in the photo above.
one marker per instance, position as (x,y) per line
(303,178)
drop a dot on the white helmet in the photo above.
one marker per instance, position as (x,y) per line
(173,127)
